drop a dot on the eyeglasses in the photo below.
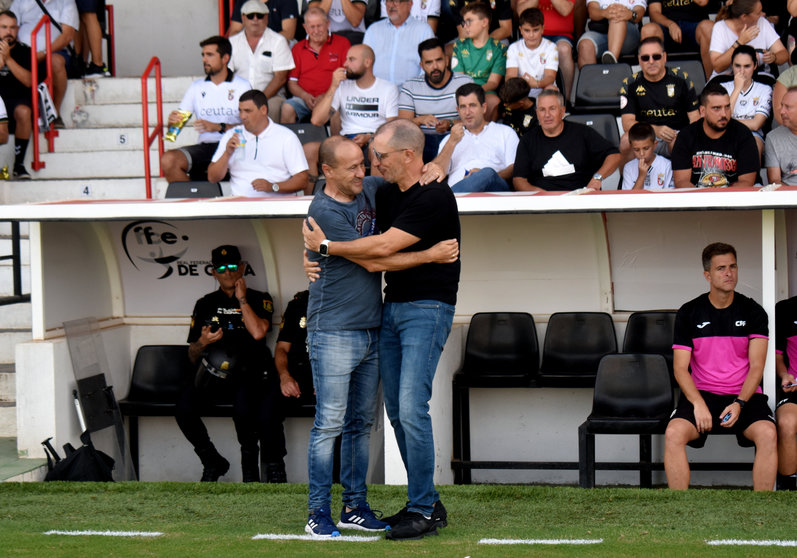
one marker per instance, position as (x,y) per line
(255,15)
(232,268)
(647,57)
(379,156)
(467,22)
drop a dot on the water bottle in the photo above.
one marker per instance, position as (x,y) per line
(241,149)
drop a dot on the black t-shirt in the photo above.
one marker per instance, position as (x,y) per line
(451,17)
(430,213)
(545,161)
(277,11)
(520,120)
(662,103)
(293,330)
(716,162)
(217,307)
(786,326)
(10,86)
(682,10)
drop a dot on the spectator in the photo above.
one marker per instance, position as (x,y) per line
(345,17)
(720,346)
(561,155)
(613,30)
(364,101)
(518,110)
(478,156)
(88,40)
(533,58)
(290,353)
(661,96)
(683,26)
(479,55)
(499,12)
(647,171)
(785,81)
(716,151)
(229,327)
(751,100)
(315,57)
(780,156)
(743,23)
(15,89)
(263,159)
(786,411)
(282,17)
(430,101)
(63,14)
(394,41)
(213,102)
(558,29)
(261,55)
(425,11)
(3,123)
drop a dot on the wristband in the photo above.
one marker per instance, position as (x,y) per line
(741,402)
(242,301)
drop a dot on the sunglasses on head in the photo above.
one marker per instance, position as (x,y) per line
(229,267)
(253,16)
(646,57)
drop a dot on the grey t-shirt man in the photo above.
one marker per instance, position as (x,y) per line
(346,296)
(781,152)
(421,98)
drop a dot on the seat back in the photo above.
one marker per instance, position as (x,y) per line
(598,87)
(690,70)
(650,333)
(501,344)
(633,386)
(574,344)
(307,132)
(159,373)
(604,124)
(193,189)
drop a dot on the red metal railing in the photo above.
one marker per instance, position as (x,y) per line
(222,20)
(52,133)
(111,40)
(158,131)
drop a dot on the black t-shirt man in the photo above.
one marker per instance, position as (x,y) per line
(12,90)
(661,103)
(564,162)
(716,162)
(293,330)
(430,213)
(682,10)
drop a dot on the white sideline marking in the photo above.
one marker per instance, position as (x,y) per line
(540,541)
(738,542)
(106,533)
(346,538)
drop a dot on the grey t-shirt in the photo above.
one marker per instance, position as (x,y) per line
(421,98)
(781,152)
(346,296)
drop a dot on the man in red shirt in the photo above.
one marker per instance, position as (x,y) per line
(316,57)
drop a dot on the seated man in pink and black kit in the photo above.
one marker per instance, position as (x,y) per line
(719,350)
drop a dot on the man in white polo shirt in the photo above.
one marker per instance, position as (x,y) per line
(263,158)
(478,156)
(213,102)
(262,55)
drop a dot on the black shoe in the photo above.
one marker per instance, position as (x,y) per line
(20,173)
(250,475)
(787,482)
(95,71)
(439,516)
(58,123)
(412,527)
(275,473)
(214,465)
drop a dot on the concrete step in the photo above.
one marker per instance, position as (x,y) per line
(8,419)
(15,316)
(88,188)
(8,389)
(114,139)
(5,250)
(7,284)
(126,90)
(8,341)
(113,116)
(97,164)
(14,468)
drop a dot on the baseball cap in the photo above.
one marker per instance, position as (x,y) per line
(254,7)
(226,254)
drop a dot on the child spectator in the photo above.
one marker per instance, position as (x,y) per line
(648,170)
(518,110)
(533,58)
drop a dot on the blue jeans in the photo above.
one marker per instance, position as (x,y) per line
(484,180)
(411,341)
(346,379)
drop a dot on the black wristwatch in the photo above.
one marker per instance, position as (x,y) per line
(223,127)
(741,402)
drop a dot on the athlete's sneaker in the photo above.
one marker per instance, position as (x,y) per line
(412,526)
(363,519)
(608,58)
(21,173)
(439,516)
(95,70)
(319,524)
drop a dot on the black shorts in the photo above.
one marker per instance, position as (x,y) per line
(199,158)
(787,398)
(754,410)
(11,104)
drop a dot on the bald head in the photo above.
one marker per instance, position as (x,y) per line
(402,134)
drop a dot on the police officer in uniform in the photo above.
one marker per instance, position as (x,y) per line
(227,342)
(290,354)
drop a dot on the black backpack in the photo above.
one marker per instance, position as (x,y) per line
(84,464)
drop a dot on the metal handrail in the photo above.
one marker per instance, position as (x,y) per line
(224,22)
(51,133)
(16,268)
(110,30)
(158,131)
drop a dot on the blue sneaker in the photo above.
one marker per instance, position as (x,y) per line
(362,518)
(319,524)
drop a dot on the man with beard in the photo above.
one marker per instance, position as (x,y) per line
(15,88)
(715,151)
(429,100)
(213,102)
(363,100)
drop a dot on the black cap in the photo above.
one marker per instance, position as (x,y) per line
(227,254)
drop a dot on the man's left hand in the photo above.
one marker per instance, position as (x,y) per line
(311,269)
(735,410)
(289,386)
(314,236)
(262,185)
(361,139)
(595,184)
(431,172)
